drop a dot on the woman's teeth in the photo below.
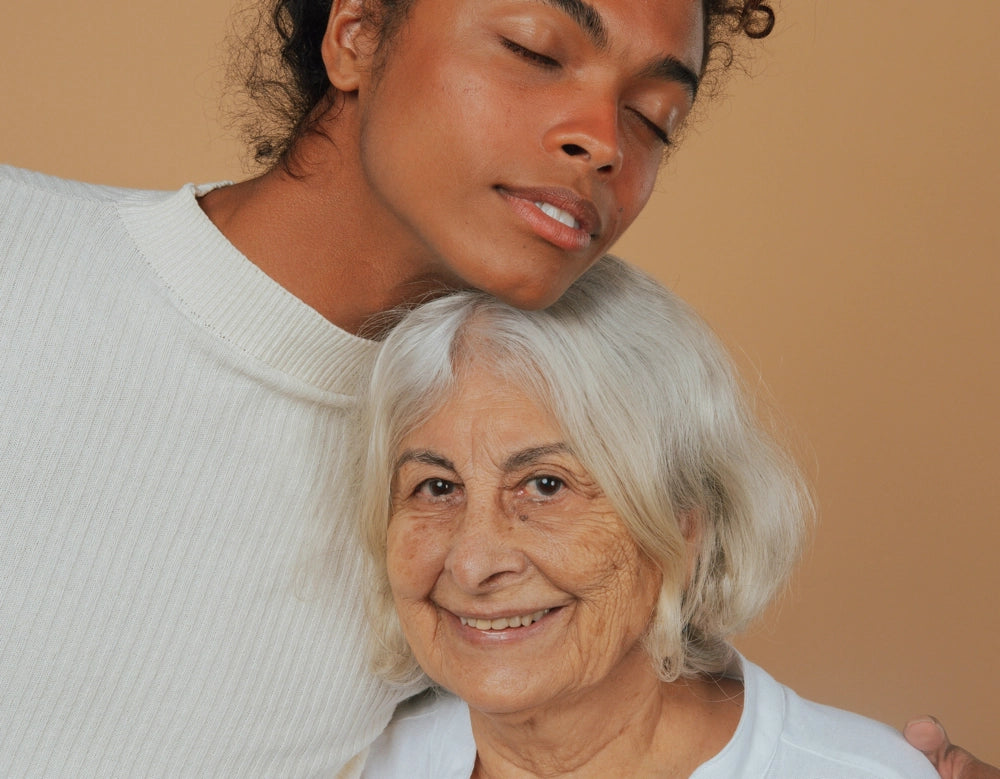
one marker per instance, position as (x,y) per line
(504,622)
(558,214)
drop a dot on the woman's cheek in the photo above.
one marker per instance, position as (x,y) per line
(412,557)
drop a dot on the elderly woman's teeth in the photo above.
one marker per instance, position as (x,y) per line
(504,622)
(558,214)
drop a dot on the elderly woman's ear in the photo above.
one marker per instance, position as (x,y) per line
(690,526)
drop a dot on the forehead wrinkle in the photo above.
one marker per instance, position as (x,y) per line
(587,17)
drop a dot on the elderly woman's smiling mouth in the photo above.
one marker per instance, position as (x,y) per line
(495,624)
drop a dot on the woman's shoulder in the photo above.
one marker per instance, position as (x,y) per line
(34,201)
(429,735)
(44,184)
(795,737)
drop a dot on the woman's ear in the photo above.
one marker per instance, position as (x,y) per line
(345,45)
(689,523)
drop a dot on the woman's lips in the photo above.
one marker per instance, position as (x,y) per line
(565,217)
(557,215)
(503,623)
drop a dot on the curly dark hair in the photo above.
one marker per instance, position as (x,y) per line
(278,61)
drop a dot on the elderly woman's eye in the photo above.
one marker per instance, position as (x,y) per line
(546,486)
(435,488)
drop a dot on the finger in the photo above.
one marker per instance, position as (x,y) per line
(952,762)
(929,736)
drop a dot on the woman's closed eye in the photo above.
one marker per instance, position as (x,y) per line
(529,54)
(653,127)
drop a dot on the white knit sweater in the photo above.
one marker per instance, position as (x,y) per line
(179,592)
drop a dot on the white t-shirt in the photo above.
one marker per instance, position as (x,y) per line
(780,736)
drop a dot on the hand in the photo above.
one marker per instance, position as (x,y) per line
(928,735)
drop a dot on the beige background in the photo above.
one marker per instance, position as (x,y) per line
(834,218)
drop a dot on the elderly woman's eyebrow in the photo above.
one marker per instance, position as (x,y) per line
(533,454)
(424,457)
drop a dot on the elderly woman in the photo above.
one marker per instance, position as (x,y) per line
(569,513)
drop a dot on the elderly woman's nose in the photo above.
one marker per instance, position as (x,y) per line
(484,553)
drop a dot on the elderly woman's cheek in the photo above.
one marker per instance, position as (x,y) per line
(412,553)
(615,578)
(637,588)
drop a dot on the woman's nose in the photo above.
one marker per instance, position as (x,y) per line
(589,135)
(484,553)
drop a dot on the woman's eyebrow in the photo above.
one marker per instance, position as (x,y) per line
(425,457)
(587,17)
(672,69)
(589,20)
(528,456)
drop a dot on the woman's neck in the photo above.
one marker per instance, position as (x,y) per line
(638,726)
(318,236)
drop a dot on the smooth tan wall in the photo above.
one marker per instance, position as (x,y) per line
(834,218)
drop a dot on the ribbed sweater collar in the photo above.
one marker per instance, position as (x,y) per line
(231,297)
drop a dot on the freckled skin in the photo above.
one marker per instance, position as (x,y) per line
(495,543)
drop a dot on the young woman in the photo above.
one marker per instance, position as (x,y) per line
(501,145)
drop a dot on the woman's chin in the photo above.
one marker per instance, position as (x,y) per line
(499,700)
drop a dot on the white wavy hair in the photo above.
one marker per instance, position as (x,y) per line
(650,403)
